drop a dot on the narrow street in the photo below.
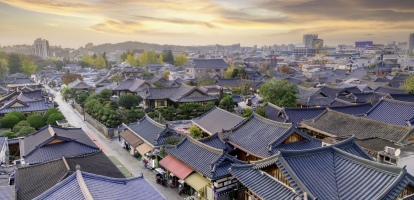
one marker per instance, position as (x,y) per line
(112,148)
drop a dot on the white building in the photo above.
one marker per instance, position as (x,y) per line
(41,48)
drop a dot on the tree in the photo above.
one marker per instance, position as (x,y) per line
(152,57)
(15,65)
(4,66)
(147,74)
(9,135)
(129,100)
(125,55)
(168,57)
(180,60)
(227,103)
(59,64)
(372,65)
(9,121)
(26,130)
(261,110)
(105,94)
(160,59)
(409,84)
(19,126)
(117,78)
(143,59)
(36,121)
(68,78)
(100,62)
(54,117)
(131,61)
(230,72)
(89,60)
(17,114)
(165,75)
(242,73)
(159,85)
(279,92)
(195,132)
(49,112)
(28,67)
(246,112)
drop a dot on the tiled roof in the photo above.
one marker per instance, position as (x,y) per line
(262,137)
(392,83)
(28,106)
(7,192)
(324,174)
(355,109)
(332,92)
(272,112)
(133,69)
(262,184)
(131,84)
(147,129)
(334,123)
(364,97)
(216,120)
(33,180)
(230,82)
(392,112)
(83,185)
(176,94)
(340,102)
(35,147)
(216,142)
(402,97)
(389,90)
(210,63)
(294,80)
(214,164)
(35,94)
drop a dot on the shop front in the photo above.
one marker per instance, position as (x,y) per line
(176,171)
(130,141)
(199,186)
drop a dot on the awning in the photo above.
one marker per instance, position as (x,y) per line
(175,166)
(196,181)
(131,138)
(144,148)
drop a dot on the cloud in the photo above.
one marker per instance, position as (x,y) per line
(51,24)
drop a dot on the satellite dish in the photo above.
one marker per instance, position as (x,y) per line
(397,152)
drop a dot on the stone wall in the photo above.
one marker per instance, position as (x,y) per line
(78,108)
(107,132)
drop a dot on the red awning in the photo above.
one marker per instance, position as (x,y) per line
(175,166)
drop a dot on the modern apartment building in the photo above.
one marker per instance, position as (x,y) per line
(41,48)
(411,42)
(308,39)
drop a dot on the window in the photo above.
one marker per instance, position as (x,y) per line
(160,103)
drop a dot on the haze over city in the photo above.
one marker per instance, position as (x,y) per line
(265,22)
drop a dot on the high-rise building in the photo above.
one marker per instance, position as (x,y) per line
(41,48)
(411,42)
(89,46)
(308,39)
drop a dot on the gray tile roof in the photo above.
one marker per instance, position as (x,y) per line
(216,142)
(181,93)
(216,120)
(272,112)
(402,97)
(214,164)
(147,129)
(262,137)
(101,187)
(389,90)
(210,63)
(7,192)
(231,82)
(324,174)
(28,106)
(74,142)
(131,84)
(392,112)
(262,184)
(336,124)
(33,180)
(364,97)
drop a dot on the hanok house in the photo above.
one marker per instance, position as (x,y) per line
(132,71)
(257,138)
(392,112)
(173,96)
(142,137)
(216,120)
(323,173)
(130,85)
(373,136)
(26,107)
(212,66)
(52,142)
(401,97)
(34,180)
(208,177)
(79,85)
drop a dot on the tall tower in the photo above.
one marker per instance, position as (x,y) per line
(41,48)
(308,39)
(411,42)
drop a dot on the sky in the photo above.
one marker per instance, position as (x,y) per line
(75,23)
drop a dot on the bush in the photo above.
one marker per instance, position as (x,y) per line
(246,112)
(25,130)
(195,132)
(23,123)
(49,112)
(36,121)
(9,134)
(129,100)
(17,114)
(9,121)
(53,117)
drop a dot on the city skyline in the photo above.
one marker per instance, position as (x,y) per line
(73,24)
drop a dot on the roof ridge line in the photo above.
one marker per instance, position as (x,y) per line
(271,122)
(274,106)
(84,188)
(154,122)
(204,146)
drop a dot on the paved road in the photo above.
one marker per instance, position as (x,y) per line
(112,147)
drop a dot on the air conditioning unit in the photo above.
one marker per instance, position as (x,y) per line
(389,150)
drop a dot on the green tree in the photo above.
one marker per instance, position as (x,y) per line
(242,73)
(160,59)
(105,94)
(17,114)
(9,121)
(59,64)
(54,117)
(152,57)
(166,74)
(195,132)
(49,112)
(68,78)
(180,60)
(231,72)
(28,67)
(125,55)
(372,65)
(409,84)
(246,112)
(168,57)
(261,110)
(26,130)
(131,61)
(89,60)
(227,103)
(100,62)
(4,66)
(36,121)
(129,100)
(19,126)
(9,135)
(15,65)
(117,78)
(147,74)
(81,98)
(143,59)
(279,92)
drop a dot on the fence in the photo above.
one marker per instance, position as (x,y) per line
(108,132)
